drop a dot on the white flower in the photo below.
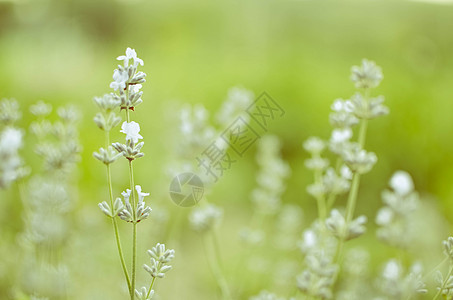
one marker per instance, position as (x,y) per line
(130,54)
(135,88)
(346,172)
(368,75)
(317,163)
(141,195)
(384,216)
(119,80)
(392,270)
(131,130)
(238,100)
(205,218)
(401,182)
(339,105)
(337,224)
(359,160)
(11,140)
(309,239)
(126,195)
(314,145)
(366,108)
(341,135)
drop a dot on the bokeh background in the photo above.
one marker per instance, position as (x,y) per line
(300,52)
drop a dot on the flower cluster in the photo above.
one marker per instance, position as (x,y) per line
(289,221)
(328,181)
(194,132)
(143,294)
(445,285)
(396,218)
(319,248)
(9,112)
(57,142)
(205,218)
(368,75)
(141,212)
(355,269)
(395,284)
(160,257)
(237,102)
(327,235)
(127,82)
(49,200)
(11,141)
(448,248)
(266,197)
(271,178)
(445,282)
(316,281)
(265,295)
(337,224)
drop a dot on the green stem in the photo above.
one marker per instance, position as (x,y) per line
(362,132)
(352,199)
(322,209)
(332,197)
(117,235)
(151,287)
(134,225)
(331,200)
(152,282)
(435,269)
(134,228)
(215,268)
(114,222)
(215,242)
(321,201)
(450,272)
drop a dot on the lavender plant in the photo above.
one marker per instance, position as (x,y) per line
(268,212)
(127,82)
(196,133)
(48,201)
(11,168)
(323,253)
(396,219)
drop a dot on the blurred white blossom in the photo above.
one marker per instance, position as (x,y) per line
(367,75)
(401,182)
(205,218)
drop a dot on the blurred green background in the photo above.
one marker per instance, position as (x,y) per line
(300,52)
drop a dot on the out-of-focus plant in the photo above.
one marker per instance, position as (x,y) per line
(196,134)
(127,82)
(323,254)
(268,211)
(11,140)
(48,201)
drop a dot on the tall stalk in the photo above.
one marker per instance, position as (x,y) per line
(134,224)
(115,223)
